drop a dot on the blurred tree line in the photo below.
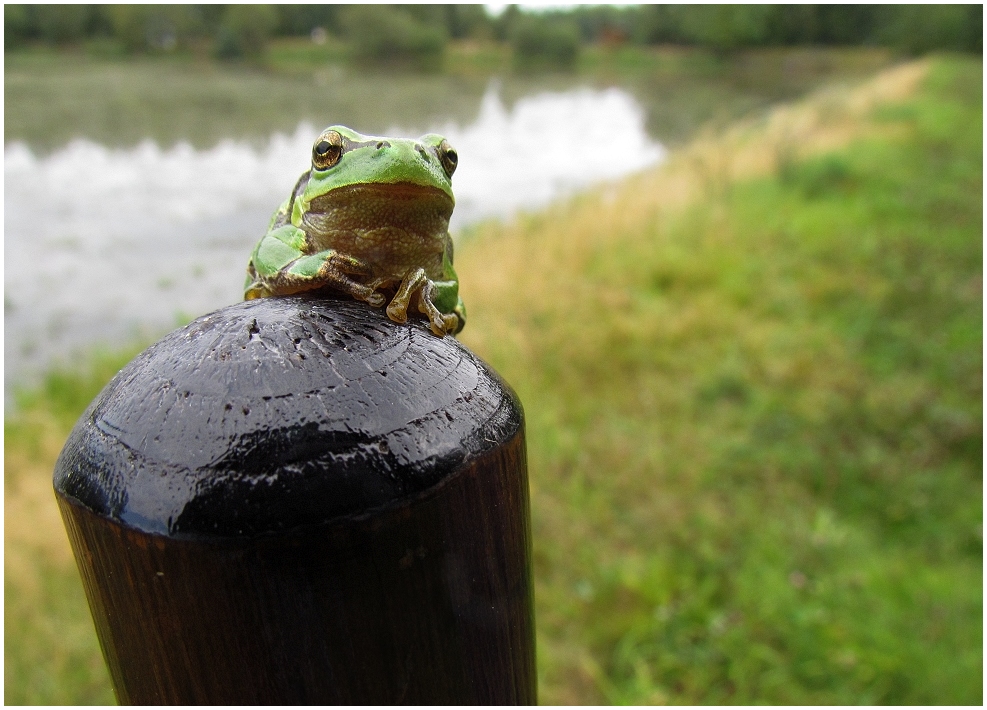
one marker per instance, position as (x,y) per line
(418,33)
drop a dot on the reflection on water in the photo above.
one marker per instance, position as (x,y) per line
(104,243)
(546,146)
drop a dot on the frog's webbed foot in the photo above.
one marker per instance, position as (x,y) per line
(327,268)
(418,282)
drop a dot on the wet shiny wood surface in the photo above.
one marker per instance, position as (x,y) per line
(297,501)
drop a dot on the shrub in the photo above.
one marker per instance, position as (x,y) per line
(245,30)
(545,41)
(144,28)
(467,21)
(61,24)
(726,28)
(391,35)
(300,20)
(17,25)
(916,29)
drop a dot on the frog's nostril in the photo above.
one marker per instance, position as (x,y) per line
(421,150)
(380,144)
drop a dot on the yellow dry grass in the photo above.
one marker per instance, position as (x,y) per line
(829,119)
(32,525)
(702,170)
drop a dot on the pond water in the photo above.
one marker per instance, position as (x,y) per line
(105,244)
(135,191)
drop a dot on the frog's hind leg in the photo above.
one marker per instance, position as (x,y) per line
(327,268)
(254,287)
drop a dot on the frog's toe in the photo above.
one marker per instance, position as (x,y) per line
(444,325)
(460,312)
(376,299)
(255,290)
(397,312)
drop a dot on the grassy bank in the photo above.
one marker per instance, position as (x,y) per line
(753,384)
(51,655)
(753,387)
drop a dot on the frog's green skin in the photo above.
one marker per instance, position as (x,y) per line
(370,219)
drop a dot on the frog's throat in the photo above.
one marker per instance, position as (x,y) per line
(420,213)
(387,203)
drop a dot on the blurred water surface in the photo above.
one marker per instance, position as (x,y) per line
(134,191)
(104,244)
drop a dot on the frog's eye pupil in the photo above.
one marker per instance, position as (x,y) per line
(327,150)
(449,157)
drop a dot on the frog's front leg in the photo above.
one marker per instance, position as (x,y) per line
(281,268)
(397,309)
(327,268)
(442,323)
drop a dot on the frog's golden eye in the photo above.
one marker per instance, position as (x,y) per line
(449,157)
(326,151)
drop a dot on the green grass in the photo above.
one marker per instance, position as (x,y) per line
(754,426)
(51,654)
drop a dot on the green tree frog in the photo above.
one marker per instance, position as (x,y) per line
(369,219)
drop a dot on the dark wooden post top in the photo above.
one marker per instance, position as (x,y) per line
(295,500)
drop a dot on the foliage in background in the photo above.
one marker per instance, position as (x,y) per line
(60,24)
(396,34)
(545,41)
(150,28)
(245,30)
(917,29)
(724,28)
(417,34)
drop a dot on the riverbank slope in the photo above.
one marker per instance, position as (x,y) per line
(753,387)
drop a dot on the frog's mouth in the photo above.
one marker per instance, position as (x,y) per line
(386,201)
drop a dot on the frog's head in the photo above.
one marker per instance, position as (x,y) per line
(345,162)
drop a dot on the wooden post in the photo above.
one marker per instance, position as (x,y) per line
(296,501)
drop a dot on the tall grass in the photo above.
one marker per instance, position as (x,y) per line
(753,386)
(754,408)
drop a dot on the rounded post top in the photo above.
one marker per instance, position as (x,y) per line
(280,413)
